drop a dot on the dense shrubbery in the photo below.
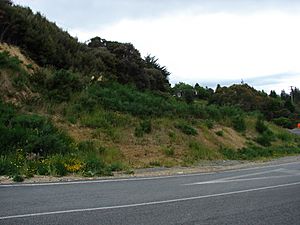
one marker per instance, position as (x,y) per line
(57,85)
(49,45)
(32,133)
(256,152)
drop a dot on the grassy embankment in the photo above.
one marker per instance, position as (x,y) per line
(95,128)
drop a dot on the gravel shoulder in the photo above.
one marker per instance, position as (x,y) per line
(202,167)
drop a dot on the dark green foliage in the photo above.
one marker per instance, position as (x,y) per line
(186,128)
(219,133)
(9,62)
(249,99)
(266,138)
(260,126)
(95,166)
(57,166)
(239,123)
(284,122)
(18,178)
(146,126)
(32,133)
(47,44)
(6,166)
(209,123)
(57,85)
(255,152)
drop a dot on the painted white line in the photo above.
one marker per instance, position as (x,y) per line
(221,181)
(146,203)
(140,178)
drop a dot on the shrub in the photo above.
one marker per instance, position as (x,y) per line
(6,166)
(57,165)
(186,129)
(42,168)
(57,85)
(260,126)
(94,166)
(285,136)
(169,151)
(209,123)
(265,138)
(238,123)
(229,153)
(145,126)
(18,178)
(284,122)
(200,152)
(219,133)
(33,133)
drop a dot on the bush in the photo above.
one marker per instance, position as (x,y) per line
(57,165)
(145,126)
(33,133)
(94,166)
(209,123)
(285,136)
(229,153)
(57,85)
(219,133)
(6,166)
(18,178)
(169,151)
(200,152)
(260,126)
(186,129)
(238,123)
(284,122)
(266,138)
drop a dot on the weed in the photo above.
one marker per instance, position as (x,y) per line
(219,133)
(238,123)
(18,178)
(169,151)
(57,165)
(200,152)
(186,129)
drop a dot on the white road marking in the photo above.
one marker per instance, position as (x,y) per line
(237,178)
(221,181)
(146,203)
(139,178)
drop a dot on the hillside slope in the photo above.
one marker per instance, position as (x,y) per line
(97,127)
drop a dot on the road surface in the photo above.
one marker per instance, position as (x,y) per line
(264,195)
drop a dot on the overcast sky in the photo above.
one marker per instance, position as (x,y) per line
(204,41)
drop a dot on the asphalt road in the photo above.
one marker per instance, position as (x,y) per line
(296,131)
(265,195)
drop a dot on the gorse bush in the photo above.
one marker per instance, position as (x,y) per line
(239,123)
(186,128)
(266,138)
(260,126)
(256,152)
(32,133)
(57,85)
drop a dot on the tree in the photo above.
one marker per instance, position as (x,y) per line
(273,94)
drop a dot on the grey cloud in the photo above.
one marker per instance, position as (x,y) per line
(261,81)
(91,14)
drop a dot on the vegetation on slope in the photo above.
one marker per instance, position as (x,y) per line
(95,108)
